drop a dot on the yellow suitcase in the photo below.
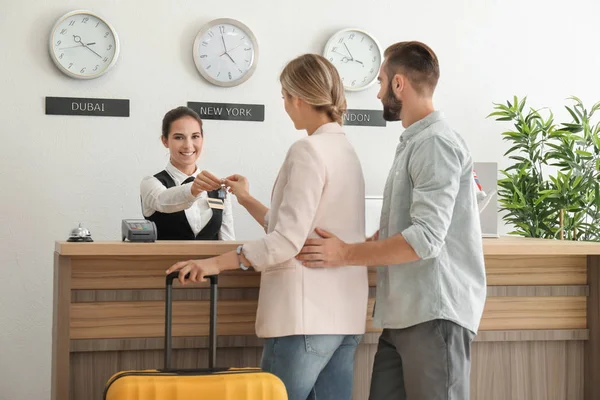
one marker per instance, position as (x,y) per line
(211,383)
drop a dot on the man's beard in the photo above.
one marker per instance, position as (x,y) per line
(391,106)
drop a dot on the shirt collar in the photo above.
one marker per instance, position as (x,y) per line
(421,125)
(330,127)
(177,175)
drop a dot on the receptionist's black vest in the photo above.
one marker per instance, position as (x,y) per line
(175,226)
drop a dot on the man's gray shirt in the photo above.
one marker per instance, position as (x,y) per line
(430,199)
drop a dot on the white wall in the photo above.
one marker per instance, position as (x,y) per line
(58,171)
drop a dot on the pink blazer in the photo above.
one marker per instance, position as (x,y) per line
(320,184)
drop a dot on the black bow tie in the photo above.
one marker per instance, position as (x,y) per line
(188,180)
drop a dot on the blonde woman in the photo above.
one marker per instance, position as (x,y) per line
(311,319)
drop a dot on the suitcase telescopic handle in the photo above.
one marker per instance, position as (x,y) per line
(174,275)
(212,335)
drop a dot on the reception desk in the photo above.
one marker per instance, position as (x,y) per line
(539,335)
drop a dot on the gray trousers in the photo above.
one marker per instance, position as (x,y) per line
(428,361)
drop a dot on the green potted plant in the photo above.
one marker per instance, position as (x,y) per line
(551,190)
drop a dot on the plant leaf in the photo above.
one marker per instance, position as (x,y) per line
(572,114)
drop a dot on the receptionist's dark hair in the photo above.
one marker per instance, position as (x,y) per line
(177,113)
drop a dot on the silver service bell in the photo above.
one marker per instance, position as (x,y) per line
(80,234)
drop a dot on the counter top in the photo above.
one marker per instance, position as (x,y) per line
(505,245)
(189,248)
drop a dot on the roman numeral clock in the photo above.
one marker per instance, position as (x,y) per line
(225,52)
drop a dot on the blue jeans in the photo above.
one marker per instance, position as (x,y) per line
(315,367)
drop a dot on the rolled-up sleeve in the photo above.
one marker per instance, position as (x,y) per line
(306,177)
(435,168)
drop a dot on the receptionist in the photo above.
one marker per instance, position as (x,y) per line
(184,202)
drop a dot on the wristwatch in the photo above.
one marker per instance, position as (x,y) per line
(239,253)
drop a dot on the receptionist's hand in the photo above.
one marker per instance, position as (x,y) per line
(238,185)
(205,182)
(198,270)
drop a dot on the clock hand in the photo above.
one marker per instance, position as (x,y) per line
(348,50)
(71,47)
(344,58)
(77,39)
(348,59)
(93,51)
(224,47)
(84,45)
(231,59)
(232,49)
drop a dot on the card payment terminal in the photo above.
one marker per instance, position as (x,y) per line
(138,230)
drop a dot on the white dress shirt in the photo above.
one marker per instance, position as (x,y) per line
(156,197)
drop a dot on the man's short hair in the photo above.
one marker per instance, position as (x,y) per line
(417,62)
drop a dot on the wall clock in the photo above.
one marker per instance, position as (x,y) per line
(83,45)
(356,55)
(225,52)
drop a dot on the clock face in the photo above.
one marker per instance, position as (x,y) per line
(225,52)
(357,57)
(83,45)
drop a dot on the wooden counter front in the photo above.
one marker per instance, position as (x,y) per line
(539,336)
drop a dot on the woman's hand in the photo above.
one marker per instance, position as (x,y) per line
(198,270)
(239,186)
(374,238)
(205,182)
